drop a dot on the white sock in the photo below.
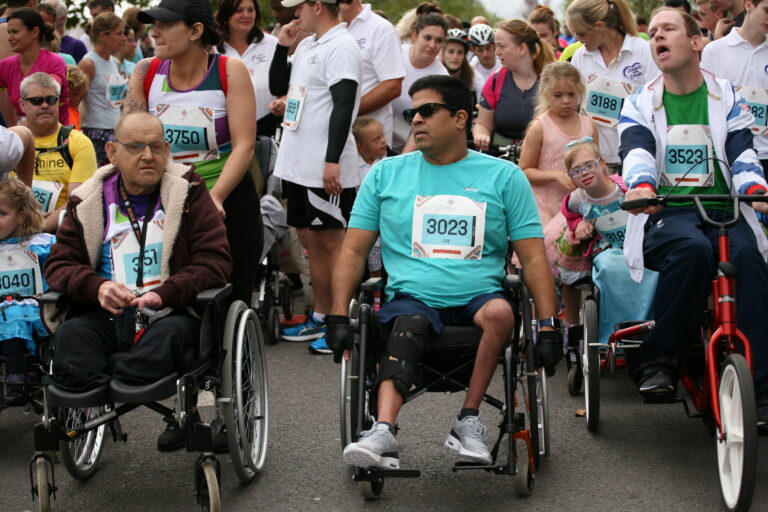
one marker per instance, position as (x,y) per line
(318,317)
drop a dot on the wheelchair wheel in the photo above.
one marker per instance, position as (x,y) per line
(590,355)
(273,326)
(542,406)
(575,380)
(43,483)
(209,496)
(244,387)
(524,478)
(286,298)
(737,450)
(371,490)
(81,455)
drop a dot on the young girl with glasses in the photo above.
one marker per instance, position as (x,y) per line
(556,123)
(593,240)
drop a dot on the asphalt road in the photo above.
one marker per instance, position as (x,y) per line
(644,457)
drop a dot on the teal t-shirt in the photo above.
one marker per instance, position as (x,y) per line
(692,143)
(444,228)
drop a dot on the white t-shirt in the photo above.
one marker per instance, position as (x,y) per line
(86,39)
(257,58)
(482,70)
(632,68)
(380,47)
(317,65)
(402,103)
(732,57)
(13,150)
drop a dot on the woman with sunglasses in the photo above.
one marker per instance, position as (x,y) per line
(108,86)
(509,94)
(421,59)
(243,38)
(27,32)
(613,62)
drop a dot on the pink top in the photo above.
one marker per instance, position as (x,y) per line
(47,62)
(549,197)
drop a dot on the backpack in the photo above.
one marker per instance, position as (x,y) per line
(492,88)
(62,146)
(154,64)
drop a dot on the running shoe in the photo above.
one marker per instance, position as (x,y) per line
(467,438)
(309,330)
(319,346)
(376,447)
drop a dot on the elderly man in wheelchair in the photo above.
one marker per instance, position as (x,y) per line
(140,240)
(445,215)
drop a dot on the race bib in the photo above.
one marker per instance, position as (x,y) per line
(688,144)
(190,131)
(20,273)
(294,104)
(126,257)
(757,99)
(47,193)
(116,90)
(447,226)
(605,97)
(612,227)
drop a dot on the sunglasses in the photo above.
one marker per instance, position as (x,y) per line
(426,110)
(157,147)
(578,171)
(38,100)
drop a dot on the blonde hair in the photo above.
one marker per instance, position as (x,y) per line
(360,124)
(574,147)
(522,33)
(77,80)
(103,23)
(549,78)
(26,206)
(582,15)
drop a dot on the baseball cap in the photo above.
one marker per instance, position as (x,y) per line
(294,3)
(169,11)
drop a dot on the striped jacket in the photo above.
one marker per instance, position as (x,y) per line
(642,132)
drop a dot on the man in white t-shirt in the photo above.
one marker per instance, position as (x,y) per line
(18,153)
(383,72)
(742,58)
(317,157)
(481,40)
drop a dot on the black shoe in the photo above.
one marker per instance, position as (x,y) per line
(220,443)
(762,408)
(172,438)
(656,382)
(16,395)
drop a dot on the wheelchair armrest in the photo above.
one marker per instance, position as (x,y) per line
(214,294)
(512,282)
(50,297)
(373,284)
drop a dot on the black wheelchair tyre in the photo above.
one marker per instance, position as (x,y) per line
(286,298)
(590,355)
(273,326)
(81,455)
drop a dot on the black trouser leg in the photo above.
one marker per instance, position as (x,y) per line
(83,344)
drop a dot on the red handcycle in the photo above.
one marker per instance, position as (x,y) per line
(722,391)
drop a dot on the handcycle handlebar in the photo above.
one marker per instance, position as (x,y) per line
(697,199)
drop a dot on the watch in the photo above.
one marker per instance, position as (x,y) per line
(550,322)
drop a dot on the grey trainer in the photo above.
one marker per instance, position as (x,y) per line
(467,438)
(376,447)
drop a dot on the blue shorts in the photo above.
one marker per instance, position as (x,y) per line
(404,304)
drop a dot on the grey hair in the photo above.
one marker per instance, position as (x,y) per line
(41,80)
(60,7)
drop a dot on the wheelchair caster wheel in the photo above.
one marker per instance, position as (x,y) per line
(43,485)
(286,298)
(524,478)
(371,490)
(575,381)
(208,497)
(273,326)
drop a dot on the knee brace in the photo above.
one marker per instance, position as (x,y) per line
(406,344)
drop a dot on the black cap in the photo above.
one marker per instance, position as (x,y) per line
(191,11)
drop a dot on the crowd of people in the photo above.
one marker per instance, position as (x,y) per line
(140,151)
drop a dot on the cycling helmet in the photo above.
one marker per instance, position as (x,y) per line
(456,34)
(480,34)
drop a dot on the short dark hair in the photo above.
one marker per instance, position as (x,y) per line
(679,3)
(104,4)
(31,19)
(226,10)
(453,91)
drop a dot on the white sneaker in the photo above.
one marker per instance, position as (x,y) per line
(376,447)
(467,438)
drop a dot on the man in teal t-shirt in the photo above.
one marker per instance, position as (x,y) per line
(445,216)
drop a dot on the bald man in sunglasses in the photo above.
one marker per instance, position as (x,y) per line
(445,216)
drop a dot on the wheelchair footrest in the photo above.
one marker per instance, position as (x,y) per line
(463,465)
(92,398)
(376,473)
(160,390)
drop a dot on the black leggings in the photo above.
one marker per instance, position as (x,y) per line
(246,237)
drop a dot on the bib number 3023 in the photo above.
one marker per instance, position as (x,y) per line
(446,226)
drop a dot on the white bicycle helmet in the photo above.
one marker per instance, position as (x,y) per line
(480,34)
(456,34)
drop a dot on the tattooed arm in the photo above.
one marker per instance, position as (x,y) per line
(136,101)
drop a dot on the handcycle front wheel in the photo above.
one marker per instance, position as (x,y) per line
(737,447)
(590,357)
(81,455)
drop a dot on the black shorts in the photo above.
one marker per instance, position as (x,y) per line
(313,208)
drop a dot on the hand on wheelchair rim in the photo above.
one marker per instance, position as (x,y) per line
(548,350)
(338,335)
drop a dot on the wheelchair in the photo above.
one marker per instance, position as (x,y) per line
(447,367)
(231,364)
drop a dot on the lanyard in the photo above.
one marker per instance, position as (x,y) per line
(139,232)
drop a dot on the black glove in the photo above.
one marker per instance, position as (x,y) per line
(338,335)
(548,350)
